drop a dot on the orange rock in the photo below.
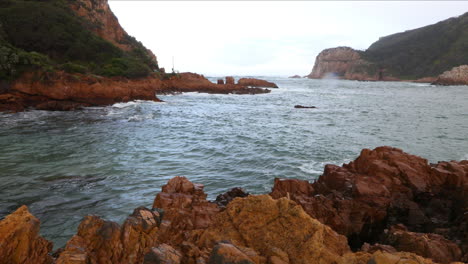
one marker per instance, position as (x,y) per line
(230,80)
(382,187)
(275,228)
(20,242)
(99,241)
(185,209)
(432,246)
(252,82)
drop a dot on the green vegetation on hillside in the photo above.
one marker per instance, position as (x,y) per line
(426,51)
(47,35)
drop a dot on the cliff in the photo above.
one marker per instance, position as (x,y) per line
(409,55)
(66,54)
(387,206)
(456,76)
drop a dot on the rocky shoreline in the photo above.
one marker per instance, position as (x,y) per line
(63,91)
(386,206)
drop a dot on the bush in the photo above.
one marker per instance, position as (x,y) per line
(74,68)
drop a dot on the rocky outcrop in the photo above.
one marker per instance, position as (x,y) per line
(192,82)
(275,229)
(252,82)
(63,91)
(383,187)
(432,246)
(295,77)
(105,24)
(342,63)
(183,227)
(100,241)
(20,242)
(456,76)
(224,199)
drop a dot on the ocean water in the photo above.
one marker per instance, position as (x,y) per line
(109,160)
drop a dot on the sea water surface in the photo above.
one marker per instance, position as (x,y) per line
(109,160)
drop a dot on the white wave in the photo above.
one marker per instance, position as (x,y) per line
(317,167)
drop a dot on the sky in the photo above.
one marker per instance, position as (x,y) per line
(267,38)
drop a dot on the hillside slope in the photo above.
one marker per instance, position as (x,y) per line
(75,36)
(413,54)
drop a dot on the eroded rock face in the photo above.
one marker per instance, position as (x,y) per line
(252,82)
(20,242)
(456,76)
(100,241)
(338,63)
(382,187)
(185,209)
(105,24)
(275,228)
(432,246)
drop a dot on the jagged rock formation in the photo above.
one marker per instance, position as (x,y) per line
(369,199)
(336,62)
(456,76)
(383,187)
(20,241)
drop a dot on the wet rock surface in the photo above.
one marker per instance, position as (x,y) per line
(387,205)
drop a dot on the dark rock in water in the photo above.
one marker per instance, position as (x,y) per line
(302,106)
(295,77)
(223,199)
(220,81)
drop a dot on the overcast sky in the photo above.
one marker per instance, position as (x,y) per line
(267,38)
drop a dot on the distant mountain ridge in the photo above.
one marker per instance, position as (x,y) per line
(423,52)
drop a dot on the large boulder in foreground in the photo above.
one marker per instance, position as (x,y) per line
(275,229)
(20,242)
(383,187)
(252,82)
(456,76)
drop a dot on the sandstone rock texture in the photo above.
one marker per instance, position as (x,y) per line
(347,63)
(384,187)
(20,242)
(388,206)
(252,82)
(456,76)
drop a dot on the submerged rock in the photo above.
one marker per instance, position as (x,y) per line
(20,242)
(302,106)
